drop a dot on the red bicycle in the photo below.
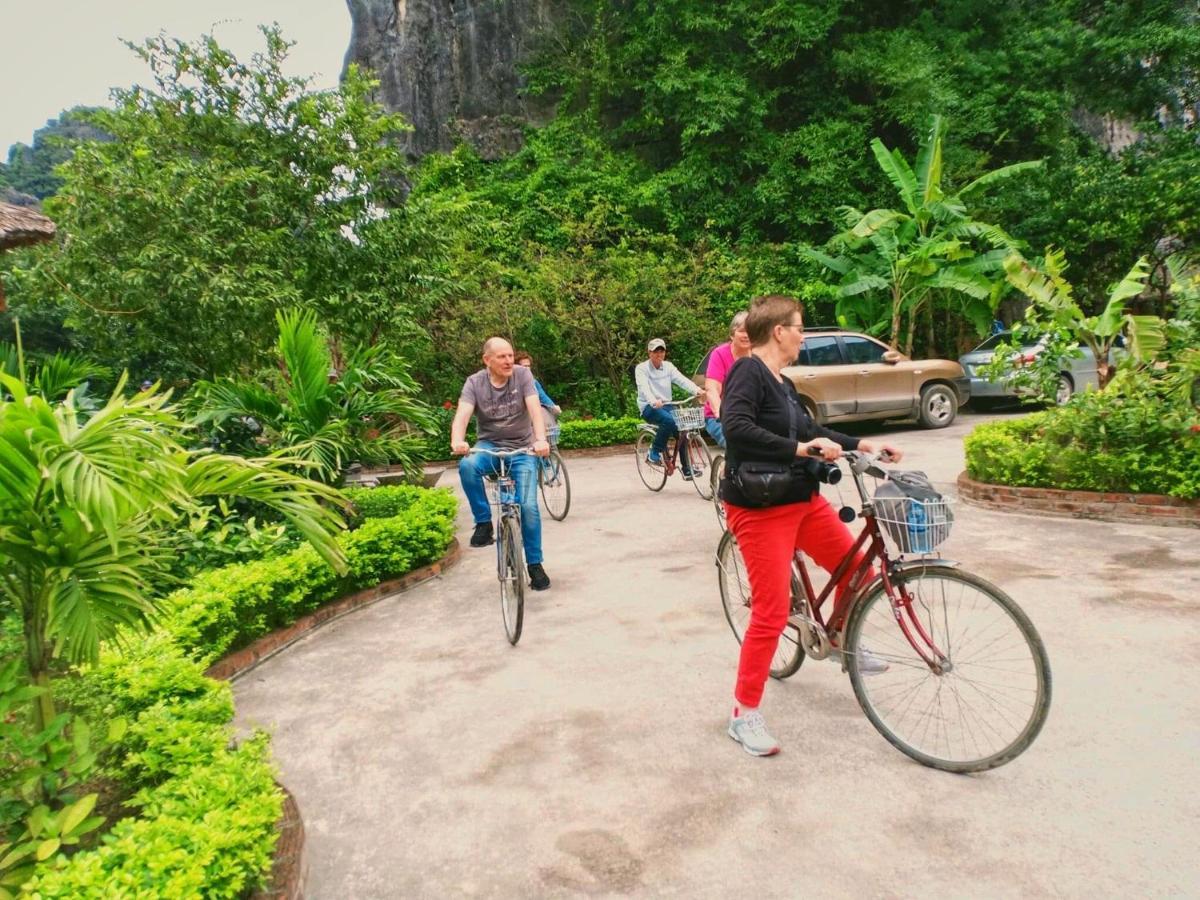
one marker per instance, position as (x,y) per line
(966,680)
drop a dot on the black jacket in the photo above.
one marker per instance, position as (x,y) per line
(755,419)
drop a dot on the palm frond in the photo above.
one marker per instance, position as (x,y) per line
(877,220)
(834,264)
(1147,336)
(988,179)
(1130,286)
(308,364)
(306,504)
(929,163)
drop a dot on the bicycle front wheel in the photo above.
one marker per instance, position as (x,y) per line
(992,696)
(555,485)
(700,464)
(512,579)
(653,475)
(718,472)
(735,599)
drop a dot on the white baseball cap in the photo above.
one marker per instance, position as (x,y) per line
(656,344)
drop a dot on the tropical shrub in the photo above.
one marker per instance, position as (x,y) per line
(312,409)
(1113,441)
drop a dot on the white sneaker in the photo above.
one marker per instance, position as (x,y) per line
(750,731)
(868,662)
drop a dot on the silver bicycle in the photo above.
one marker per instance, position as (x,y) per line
(510,549)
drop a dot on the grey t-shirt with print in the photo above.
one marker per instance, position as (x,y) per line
(500,413)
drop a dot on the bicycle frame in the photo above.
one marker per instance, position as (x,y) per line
(506,486)
(671,456)
(860,580)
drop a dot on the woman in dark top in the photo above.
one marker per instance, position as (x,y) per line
(760,410)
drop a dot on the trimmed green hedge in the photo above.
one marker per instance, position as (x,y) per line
(208,806)
(1099,442)
(228,608)
(578,433)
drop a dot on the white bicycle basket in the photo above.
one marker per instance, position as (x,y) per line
(688,418)
(912,513)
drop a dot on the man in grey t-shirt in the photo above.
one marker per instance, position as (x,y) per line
(508,416)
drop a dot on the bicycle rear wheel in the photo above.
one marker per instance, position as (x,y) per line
(555,485)
(735,599)
(992,699)
(653,475)
(512,579)
(700,464)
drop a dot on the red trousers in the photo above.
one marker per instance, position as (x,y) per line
(768,538)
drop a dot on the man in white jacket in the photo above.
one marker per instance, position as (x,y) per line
(655,378)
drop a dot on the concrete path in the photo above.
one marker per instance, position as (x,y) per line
(431,759)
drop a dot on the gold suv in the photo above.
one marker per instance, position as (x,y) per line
(844,376)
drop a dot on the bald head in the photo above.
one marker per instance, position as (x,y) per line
(498,358)
(495,344)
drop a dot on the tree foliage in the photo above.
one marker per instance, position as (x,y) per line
(229,191)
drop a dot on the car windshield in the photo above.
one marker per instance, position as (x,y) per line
(1006,336)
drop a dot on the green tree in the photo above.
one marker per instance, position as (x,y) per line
(931,243)
(230,191)
(85,505)
(326,411)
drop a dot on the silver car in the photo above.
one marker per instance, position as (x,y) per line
(1076,374)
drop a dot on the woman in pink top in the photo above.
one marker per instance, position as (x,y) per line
(719,363)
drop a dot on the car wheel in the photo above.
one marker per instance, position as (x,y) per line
(939,406)
(1064,389)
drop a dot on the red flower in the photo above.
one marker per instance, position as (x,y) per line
(447,405)
(1196,429)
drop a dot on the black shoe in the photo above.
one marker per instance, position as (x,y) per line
(483,535)
(538,579)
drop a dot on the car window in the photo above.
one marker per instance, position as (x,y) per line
(820,351)
(860,350)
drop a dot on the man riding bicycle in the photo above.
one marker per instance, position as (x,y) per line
(508,416)
(654,379)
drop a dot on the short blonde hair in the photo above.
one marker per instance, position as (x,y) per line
(767,312)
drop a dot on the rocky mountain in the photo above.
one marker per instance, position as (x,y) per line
(451,66)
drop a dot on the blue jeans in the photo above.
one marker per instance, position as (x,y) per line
(666,430)
(474,468)
(715,431)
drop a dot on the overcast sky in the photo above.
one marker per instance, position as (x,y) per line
(55,54)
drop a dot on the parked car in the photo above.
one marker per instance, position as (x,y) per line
(1076,374)
(844,376)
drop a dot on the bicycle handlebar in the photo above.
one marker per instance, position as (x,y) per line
(520,451)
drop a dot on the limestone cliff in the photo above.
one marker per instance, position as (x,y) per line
(451,66)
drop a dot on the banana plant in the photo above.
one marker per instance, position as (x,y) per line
(85,505)
(1054,307)
(891,261)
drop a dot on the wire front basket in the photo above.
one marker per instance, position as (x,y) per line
(688,418)
(914,526)
(493,484)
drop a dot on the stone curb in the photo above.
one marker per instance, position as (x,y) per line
(238,663)
(1145,509)
(289,871)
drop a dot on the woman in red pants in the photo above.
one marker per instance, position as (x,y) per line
(764,421)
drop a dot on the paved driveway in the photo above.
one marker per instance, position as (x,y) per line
(431,759)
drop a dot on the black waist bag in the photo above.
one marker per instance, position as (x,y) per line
(770,483)
(764,483)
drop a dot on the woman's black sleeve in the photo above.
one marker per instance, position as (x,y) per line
(814,430)
(740,402)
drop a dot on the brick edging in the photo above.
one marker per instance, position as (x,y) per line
(242,661)
(1148,509)
(289,871)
